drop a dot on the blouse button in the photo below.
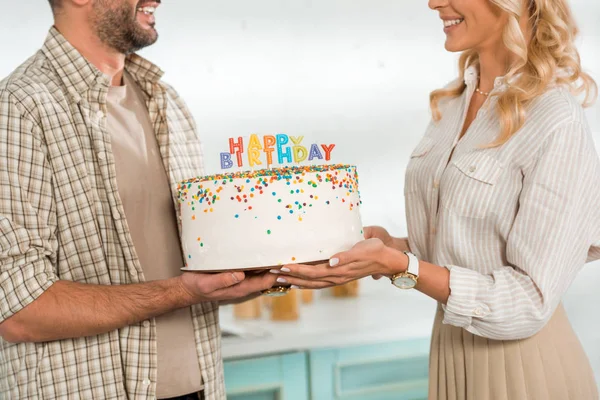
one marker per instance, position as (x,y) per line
(478,312)
(472,168)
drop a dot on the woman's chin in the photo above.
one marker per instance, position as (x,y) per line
(454,46)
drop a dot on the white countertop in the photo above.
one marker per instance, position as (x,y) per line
(382,315)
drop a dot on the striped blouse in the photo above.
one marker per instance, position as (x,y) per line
(513,224)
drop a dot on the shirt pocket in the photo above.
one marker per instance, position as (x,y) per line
(470,187)
(415,170)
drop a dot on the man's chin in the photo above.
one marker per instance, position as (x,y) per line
(144,38)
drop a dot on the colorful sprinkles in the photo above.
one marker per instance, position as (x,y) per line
(202,195)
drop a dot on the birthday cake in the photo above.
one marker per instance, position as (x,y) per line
(269,217)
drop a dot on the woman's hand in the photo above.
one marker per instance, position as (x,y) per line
(378,232)
(369,257)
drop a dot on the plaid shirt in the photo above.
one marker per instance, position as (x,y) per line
(61,218)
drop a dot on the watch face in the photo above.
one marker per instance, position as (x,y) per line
(405,282)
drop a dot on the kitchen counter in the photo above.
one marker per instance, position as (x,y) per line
(379,315)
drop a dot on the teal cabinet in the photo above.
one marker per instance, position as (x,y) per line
(385,371)
(396,371)
(283,377)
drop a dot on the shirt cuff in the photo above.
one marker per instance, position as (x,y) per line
(464,303)
(21,285)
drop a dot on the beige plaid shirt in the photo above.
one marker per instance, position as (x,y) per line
(61,218)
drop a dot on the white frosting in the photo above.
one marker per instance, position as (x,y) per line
(219,233)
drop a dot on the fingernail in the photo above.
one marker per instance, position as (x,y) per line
(282,280)
(275,271)
(284,269)
(234,276)
(333,262)
(295,287)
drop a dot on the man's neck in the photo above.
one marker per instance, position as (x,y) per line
(107,60)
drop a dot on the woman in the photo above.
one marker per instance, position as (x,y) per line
(502,199)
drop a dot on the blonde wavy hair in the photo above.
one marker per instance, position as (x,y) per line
(549,57)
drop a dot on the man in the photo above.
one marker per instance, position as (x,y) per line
(92,145)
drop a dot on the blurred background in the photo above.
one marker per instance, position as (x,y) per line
(356,73)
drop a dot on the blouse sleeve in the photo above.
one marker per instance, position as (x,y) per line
(555,232)
(594,253)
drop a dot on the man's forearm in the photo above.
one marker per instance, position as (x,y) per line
(68,309)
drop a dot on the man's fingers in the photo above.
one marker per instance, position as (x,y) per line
(214,282)
(250,285)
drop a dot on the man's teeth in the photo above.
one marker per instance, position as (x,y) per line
(147,10)
(452,22)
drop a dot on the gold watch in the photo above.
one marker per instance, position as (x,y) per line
(409,278)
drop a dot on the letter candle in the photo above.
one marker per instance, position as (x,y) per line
(258,151)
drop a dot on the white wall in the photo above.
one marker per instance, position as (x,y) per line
(353,72)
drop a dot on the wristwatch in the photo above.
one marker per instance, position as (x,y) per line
(408,279)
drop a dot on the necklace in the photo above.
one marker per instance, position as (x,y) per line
(482,93)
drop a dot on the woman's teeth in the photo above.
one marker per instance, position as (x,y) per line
(452,22)
(147,10)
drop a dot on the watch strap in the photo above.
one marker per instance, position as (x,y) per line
(413,264)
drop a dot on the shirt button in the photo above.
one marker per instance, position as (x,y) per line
(146,324)
(473,168)
(433,231)
(116,213)
(478,312)
(146,382)
(102,156)
(436,184)
(99,114)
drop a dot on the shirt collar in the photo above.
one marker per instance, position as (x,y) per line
(79,75)
(471,77)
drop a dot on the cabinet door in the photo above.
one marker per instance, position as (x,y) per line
(386,371)
(268,378)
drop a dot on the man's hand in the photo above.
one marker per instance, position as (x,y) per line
(70,310)
(224,286)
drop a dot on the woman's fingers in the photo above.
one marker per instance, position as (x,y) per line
(343,258)
(304,283)
(362,251)
(319,271)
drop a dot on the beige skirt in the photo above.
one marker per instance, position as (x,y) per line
(550,365)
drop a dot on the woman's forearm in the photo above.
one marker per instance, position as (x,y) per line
(400,244)
(434,281)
